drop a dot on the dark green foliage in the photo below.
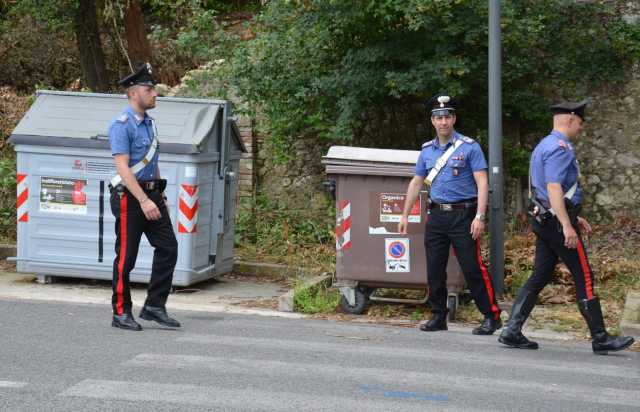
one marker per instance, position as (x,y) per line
(276,229)
(358,71)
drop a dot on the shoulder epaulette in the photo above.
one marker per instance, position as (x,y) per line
(466,139)
(123,118)
(427,144)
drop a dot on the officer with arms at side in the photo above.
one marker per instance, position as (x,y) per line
(455,168)
(138,204)
(555,197)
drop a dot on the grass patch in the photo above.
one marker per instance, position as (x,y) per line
(318,298)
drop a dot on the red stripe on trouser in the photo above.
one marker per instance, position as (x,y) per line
(123,254)
(585,270)
(487,280)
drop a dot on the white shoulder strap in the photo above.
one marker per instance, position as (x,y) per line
(442,160)
(117,179)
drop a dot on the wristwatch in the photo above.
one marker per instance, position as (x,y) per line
(481,217)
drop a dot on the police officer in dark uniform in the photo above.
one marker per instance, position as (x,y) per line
(556,197)
(138,204)
(456,170)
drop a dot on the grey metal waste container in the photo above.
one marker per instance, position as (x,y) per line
(64,164)
(370,188)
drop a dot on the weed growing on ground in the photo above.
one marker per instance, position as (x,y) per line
(318,298)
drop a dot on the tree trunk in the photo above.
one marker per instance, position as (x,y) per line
(90,47)
(136,34)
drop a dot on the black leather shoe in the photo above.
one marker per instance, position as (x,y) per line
(125,321)
(159,315)
(517,340)
(488,326)
(436,323)
(604,345)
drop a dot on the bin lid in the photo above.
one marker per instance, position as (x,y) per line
(370,161)
(72,119)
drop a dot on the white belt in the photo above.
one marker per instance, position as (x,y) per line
(442,160)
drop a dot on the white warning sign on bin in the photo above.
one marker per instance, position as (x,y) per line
(397,255)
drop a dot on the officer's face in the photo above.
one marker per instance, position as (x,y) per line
(443,124)
(575,125)
(145,96)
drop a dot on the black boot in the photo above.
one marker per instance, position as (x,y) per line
(125,321)
(520,310)
(437,322)
(601,341)
(159,315)
(488,326)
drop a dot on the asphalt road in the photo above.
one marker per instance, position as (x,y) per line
(67,357)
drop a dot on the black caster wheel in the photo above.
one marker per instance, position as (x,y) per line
(362,299)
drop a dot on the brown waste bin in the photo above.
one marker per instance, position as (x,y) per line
(370,187)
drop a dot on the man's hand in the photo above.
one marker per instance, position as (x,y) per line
(570,236)
(150,210)
(477,228)
(584,225)
(402,225)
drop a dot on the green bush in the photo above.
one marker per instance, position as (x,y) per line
(271,232)
(32,54)
(358,71)
(7,198)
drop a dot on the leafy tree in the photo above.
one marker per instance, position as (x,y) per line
(359,71)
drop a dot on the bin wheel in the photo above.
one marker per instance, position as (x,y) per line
(362,299)
(452,305)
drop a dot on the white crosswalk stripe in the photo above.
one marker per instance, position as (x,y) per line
(426,355)
(291,374)
(440,382)
(11,384)
(241,399)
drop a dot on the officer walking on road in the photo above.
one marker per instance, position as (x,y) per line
(456,170)
(556,197)
(138,204)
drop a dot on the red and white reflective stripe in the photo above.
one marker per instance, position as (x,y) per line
(586,270)
(23,195)
(343,225)
(122,255)
(487,281)
(188,209)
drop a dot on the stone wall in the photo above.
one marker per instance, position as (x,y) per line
(247,178)
(297,183)
(609,152)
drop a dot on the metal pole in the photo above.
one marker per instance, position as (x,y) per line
(496,178)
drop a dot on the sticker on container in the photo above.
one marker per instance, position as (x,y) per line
(63,195)
(105,169)
(396,257)
(392,205)
(190,171)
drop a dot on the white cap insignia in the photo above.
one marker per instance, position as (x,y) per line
(443,99)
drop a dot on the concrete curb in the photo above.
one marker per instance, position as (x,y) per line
(21,286)
(286,301)
(270,269)
(630,323)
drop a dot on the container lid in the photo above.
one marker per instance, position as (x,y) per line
(369,161)
(72,119)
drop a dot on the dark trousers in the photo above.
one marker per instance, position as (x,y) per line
(130,225)
(550,248)
(446,228)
